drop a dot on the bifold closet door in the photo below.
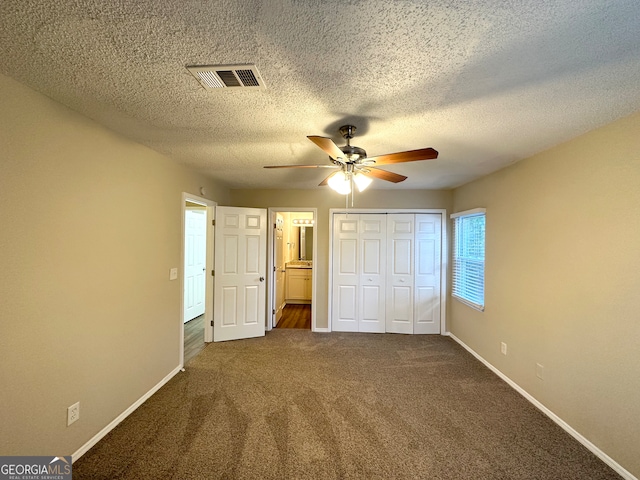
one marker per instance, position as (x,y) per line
(413,273)
(359,251)
(400,272)
(428,265)
(386,273)
(371,292)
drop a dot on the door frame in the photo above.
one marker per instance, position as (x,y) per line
(208,287)
(443,254)
(271,216)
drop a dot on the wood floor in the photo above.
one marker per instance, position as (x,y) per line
(295,316)
(193,338)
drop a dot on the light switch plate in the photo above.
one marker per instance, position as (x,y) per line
(173,274)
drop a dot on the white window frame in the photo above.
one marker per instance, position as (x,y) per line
(455,274)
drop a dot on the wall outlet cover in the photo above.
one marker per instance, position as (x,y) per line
(73,413)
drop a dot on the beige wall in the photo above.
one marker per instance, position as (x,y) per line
(90,226)
(325,199)
(563,282)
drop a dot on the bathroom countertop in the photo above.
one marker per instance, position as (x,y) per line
(299,264)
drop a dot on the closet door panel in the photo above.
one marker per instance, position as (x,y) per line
(428,273)
(427,311)
(345,319)
(373,247)
(400,310)
(370,319)
(344,305)
(400,273)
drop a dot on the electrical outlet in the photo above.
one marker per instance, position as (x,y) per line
(503,348)
(540,371)
(73,413)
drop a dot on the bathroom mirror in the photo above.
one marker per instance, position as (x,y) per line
(306,242)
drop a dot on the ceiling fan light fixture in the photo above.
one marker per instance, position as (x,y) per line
(340,182)
(361,181)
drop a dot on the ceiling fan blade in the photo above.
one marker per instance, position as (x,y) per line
(384,175)
(300,166)
(328,146)
(409,156)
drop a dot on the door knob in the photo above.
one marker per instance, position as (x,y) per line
(262,279)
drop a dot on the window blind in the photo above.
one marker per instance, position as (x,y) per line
(468,257)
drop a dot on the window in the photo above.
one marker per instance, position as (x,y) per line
(468,257)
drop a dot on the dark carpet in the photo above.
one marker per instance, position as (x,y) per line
(298,405)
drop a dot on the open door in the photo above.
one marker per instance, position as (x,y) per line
(195,261)
(240,271)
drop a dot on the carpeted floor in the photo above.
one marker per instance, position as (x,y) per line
(301,405)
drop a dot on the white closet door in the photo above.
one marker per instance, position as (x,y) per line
(345,273)
(400,272)
(387,273)
(372,244)
(428,228)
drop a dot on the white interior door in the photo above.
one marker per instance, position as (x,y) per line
(240,270)
(400,273)
(427,278)
(194,262)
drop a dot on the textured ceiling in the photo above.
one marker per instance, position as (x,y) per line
(484,82)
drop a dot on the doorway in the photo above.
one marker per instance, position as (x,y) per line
(197,285)
(195,260)
(293,250)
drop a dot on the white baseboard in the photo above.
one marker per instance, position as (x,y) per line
(565,426)
(100,435)
(322,330)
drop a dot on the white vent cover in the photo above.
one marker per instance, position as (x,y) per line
(227,76)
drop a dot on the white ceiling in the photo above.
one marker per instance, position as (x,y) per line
(484,82)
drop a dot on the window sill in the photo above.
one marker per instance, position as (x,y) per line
(475,306)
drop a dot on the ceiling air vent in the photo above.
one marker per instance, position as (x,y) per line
(227,76)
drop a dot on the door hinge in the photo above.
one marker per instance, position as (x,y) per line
(273,312)
(212,323)
(213,273)
(213,222)
(275,268)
